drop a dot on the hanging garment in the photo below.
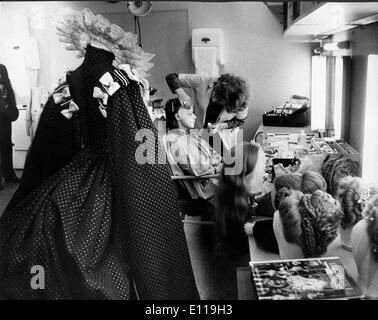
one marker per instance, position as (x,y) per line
(103,224)
(55,143)
(8,107)
(8,114)
(39,98)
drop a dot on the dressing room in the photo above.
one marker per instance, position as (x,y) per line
(173,150)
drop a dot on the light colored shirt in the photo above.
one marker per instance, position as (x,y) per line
(188,154)
(193,154)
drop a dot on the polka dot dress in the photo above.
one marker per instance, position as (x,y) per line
(102,225)
(56,134)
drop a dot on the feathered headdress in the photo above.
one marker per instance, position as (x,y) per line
(79,28)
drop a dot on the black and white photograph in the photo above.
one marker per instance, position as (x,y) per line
(188,151)
(299,279)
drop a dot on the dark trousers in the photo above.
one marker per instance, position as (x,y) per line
(6,152)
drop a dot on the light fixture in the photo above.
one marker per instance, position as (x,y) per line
(139,9)
(370,148)
(338,96)
(336,46)
(318,92)
(318,50)
(332,46)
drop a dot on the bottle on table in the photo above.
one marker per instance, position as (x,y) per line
(302,139)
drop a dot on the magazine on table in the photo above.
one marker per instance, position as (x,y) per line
(297,279)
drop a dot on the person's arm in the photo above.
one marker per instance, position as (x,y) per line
(230,124)
(186,80)
(173,82)
(233,123)
(177,82)
(238,120)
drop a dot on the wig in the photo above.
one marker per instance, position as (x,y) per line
(371,215)
(336,168)
(352,195)
(232,199)
(232,92)
(308,182)
(310,220)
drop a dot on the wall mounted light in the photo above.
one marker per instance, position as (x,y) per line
(338,96)
(318,50)
(332,46)
(342,45)
(318,92)
(370,148)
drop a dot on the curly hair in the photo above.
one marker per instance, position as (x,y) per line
(349,194)
(370,213)
(232,199)
(310,220)
(336,168)
(307,182)
(232,92)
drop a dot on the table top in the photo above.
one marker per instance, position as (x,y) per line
(272,129)
(246,290)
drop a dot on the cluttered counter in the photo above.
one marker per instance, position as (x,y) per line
(297,150)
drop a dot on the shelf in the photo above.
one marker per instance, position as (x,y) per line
(325,19)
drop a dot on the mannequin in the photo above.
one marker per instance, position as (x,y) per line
(364,242)
(305,225)
(187,150)
(352,195)
(308,182)
(103,226)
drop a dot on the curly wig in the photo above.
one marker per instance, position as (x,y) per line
(336,168)
(371,215)
(232,92)
(308,182)
(349,194)
(310,220)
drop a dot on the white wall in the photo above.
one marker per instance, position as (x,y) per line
(255,50)
(254,47)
